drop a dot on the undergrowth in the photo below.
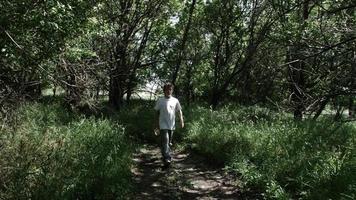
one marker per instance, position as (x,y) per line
(282,158)
(55,154)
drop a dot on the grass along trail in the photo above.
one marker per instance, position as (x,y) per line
(188,177)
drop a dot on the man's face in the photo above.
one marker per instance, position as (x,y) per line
(168,91)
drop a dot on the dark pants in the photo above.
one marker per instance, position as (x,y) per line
(166,138)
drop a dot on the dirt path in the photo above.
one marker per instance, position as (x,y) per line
(188,177)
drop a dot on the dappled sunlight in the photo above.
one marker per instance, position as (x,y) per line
(188,177)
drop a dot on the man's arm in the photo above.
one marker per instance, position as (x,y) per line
(156,117)
(156,122)
(180,113)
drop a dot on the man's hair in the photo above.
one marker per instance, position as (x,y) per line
(168,85)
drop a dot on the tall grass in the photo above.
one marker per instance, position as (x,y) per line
(53,154)
(138,118)
(283,158)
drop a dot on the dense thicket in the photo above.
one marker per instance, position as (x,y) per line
(298,55)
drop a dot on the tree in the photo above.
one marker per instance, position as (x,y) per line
(32,33)
(182,45)
(131,23)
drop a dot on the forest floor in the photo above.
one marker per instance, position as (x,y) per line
(188,177)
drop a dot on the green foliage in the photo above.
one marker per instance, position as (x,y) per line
(243,51)
(56,155)
(49,23)
(138,118)
(308,160)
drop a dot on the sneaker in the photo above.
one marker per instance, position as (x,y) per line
(168,160)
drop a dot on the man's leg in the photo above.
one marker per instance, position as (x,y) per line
(165,145)
(170,132)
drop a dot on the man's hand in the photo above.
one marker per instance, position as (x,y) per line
(156,131)
(182,124)
(156,123)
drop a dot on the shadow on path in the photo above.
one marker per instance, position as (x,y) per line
(188,177)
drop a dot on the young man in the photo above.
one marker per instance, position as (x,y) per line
(166,109)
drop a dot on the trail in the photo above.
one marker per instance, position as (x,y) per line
(189,177)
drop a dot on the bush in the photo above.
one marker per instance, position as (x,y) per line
(53,154)
(283,158)
(138,118)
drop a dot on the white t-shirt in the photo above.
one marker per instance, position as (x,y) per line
(167,108)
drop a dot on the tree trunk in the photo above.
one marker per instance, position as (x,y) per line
(119,73)
(188,84)
(182,46)
(31,85)
(215,99)
(115,92)
(321,107)
(132,79)
(54,91)
(131,85)
(297,67)
(297,88)
(351,105)
(97,92)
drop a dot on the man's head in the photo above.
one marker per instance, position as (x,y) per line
(168,90)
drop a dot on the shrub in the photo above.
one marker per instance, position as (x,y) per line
(53,154)
(283,158)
